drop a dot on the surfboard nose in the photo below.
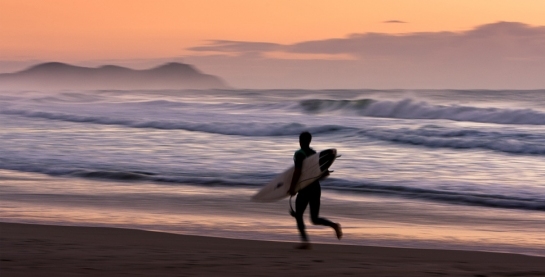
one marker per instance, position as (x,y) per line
(326,158)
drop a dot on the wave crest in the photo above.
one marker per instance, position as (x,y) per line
(435,137)
(453,197)
(224,128)
(411,109)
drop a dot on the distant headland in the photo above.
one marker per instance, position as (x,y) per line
(55,75)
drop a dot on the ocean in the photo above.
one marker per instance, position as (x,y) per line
(444,169)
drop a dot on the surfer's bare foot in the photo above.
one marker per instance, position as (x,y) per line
(304,246)
(338,230)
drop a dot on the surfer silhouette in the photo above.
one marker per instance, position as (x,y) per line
(308,196)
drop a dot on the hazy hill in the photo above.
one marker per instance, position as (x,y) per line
(56,75)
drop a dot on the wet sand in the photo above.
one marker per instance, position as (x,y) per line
(41,250)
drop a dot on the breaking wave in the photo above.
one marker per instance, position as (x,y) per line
(461,197)
(411,109)
(224,128)
(435,137)
(427,136)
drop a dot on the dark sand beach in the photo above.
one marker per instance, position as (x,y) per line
(41,250)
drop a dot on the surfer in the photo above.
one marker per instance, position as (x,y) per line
(308,196)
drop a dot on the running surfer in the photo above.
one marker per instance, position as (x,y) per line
(309,195)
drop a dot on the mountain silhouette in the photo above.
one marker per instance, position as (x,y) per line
(55,75)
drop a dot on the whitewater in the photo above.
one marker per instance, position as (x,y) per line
(188,162)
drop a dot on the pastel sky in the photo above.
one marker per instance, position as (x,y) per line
(484,44)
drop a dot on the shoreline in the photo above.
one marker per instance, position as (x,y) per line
(51,250)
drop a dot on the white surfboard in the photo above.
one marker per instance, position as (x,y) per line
(314,167)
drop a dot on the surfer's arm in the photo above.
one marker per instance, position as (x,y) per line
(294,180)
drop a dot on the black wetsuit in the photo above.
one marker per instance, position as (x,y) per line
(310,196)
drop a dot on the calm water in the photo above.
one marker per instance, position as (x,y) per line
(436,169)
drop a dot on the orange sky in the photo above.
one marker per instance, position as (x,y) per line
(78,30)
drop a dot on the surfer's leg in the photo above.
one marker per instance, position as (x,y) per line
(314,203)
(301,203)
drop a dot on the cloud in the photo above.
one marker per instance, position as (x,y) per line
(228,46)
(493,56)
(394,21)
(502,40)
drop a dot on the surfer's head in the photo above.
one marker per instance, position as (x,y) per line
(304,139)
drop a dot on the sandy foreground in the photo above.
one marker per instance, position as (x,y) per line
(40,250)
